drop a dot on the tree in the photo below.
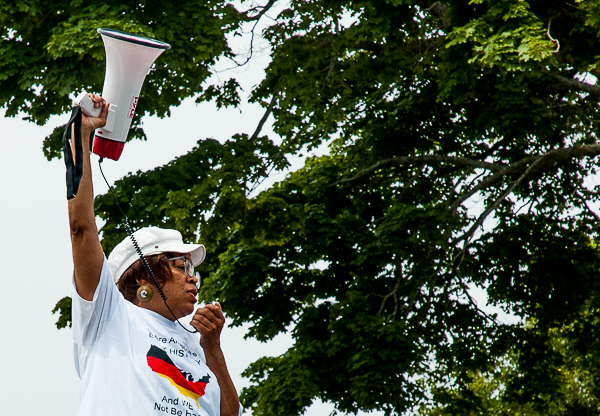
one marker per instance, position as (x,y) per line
(499,392)
(367,254)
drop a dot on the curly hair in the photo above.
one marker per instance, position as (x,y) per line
(128,283)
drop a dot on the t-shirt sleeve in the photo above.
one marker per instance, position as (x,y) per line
(91,318)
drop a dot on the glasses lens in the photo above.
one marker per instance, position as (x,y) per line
(189,267)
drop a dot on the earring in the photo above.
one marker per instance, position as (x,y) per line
(144,294)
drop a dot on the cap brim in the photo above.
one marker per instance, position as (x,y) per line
(197,251)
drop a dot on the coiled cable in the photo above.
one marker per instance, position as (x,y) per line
(139,250)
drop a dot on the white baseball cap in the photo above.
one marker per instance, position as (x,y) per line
(151,240)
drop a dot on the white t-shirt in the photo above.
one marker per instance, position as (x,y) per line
(134,362)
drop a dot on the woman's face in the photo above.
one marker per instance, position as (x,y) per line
(181,291)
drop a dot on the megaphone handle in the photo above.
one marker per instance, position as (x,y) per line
(74,170)
(87,105)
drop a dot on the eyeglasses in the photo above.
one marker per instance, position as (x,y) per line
(188,267)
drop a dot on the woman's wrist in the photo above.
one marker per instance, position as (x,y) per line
(86,131)
(214,347)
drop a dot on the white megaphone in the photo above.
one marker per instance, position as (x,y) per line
(128,59)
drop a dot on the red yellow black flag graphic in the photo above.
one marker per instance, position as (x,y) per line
(160,363)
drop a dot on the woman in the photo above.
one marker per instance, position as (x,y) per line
(131,353)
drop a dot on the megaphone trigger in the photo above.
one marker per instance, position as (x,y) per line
(110,119)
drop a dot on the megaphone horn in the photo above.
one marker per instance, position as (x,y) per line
(128,59)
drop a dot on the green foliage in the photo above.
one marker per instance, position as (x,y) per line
(226,95)
(500,391)
(439,117)
(519,38)
(63,307)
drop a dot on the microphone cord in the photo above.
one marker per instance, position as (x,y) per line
(139,251)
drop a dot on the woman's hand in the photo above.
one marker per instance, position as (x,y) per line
(209,321)
(91,123)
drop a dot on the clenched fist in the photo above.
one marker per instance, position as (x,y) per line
(92,123)
(209,321)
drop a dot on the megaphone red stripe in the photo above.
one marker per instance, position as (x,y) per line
(111,149)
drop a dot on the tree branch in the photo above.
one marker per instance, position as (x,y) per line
(589,209)
(573,84)
(265,116)
(254,136)
(439,10)
(489,181)
(256,19)
(427,159)
(394,294)
(466,236)
(265,9)
(465,290)
(545,161)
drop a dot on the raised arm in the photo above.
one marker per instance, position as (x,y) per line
(87,251)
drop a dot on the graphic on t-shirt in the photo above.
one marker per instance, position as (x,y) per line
(160,363)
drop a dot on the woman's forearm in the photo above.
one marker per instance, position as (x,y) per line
(230,403)
(87,251)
